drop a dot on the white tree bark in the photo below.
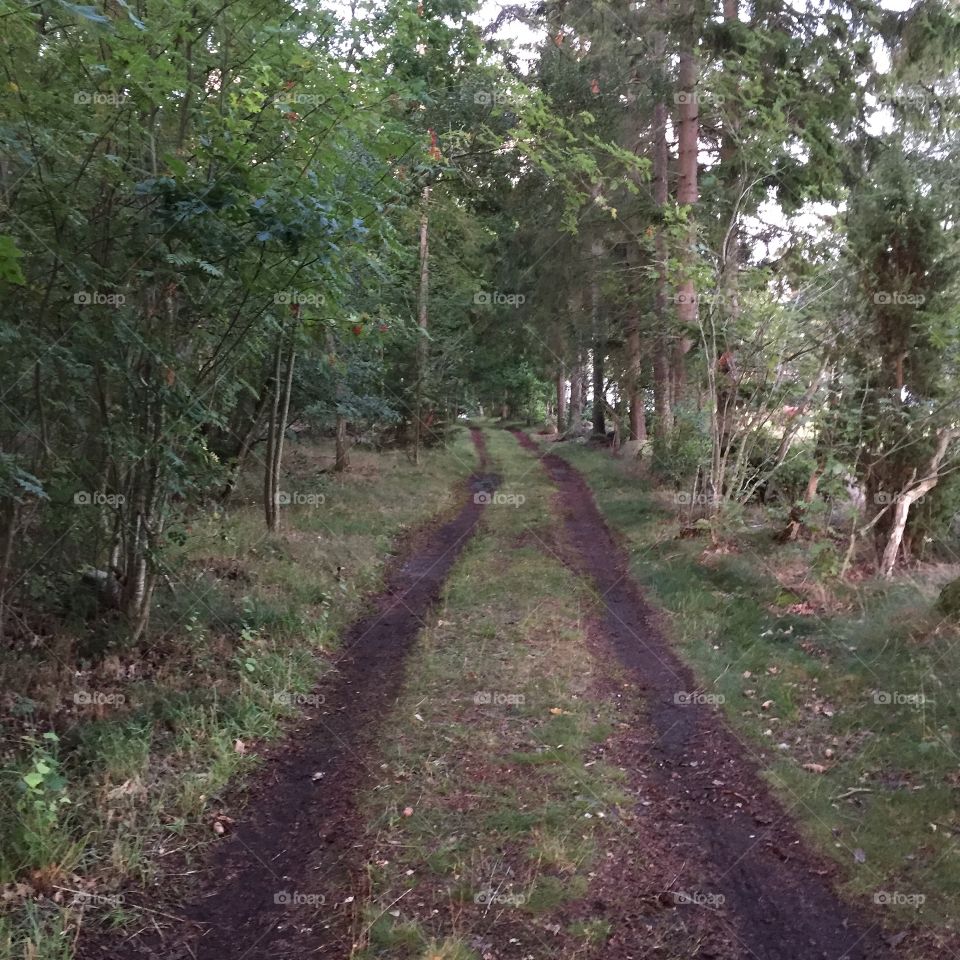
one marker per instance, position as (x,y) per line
(907,498)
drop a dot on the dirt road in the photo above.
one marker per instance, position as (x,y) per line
(726,850)
(299,832)
(774,892)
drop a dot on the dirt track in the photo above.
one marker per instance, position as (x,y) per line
(298,834)
(776,894)
(708,826)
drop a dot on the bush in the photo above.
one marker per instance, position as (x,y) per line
(948,603)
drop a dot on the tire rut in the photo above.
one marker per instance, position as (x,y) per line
(278,888)
(776,891)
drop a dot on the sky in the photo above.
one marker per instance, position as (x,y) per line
(520,33)
(811,220)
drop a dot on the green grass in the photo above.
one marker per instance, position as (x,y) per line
(824,674)
(246,616)
(503,815)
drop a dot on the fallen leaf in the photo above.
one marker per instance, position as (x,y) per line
(859,856)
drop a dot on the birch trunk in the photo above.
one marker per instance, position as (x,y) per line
(908,498)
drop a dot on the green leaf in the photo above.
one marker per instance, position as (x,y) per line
(56,783)
(10,253)
(177,166)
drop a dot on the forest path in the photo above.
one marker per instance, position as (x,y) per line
(701,861)
(298,831)
(772,887)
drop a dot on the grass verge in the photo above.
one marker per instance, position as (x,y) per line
(113,758)
(501,822)
(850,710)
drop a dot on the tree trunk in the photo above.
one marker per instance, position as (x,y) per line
(575,407)
(342,453)
(633,355)
(798,511)
(663,411)
(599,420)
(634,394)
(246,442)
(282,425)
(561,385)
(422,301)
(907,498)
(729,144)
(599,340)
(578,383)
(10,515)
(342,461)
(688,137)
(269,490)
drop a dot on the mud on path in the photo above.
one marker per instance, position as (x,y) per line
(736,837)
(279,886)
